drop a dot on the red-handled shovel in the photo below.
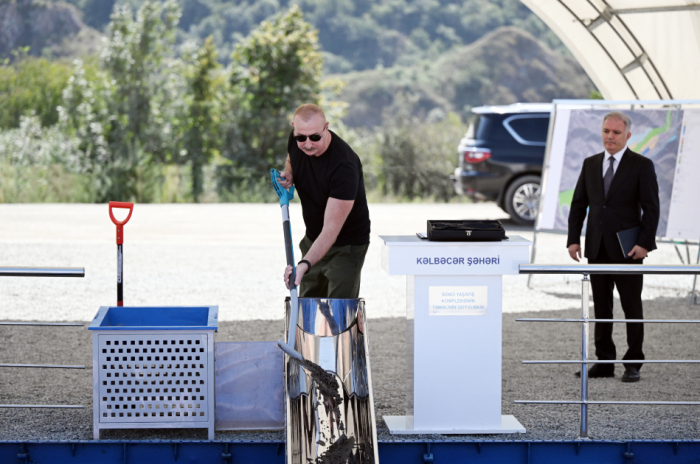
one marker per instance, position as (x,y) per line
(120,242)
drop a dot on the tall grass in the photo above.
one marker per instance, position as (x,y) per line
(42,184)
(160,184)
(406,160)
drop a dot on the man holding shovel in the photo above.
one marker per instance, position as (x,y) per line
(327,175)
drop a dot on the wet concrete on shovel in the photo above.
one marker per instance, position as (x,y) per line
(327,385)
(338,452)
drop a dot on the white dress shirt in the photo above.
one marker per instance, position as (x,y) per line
(617,156)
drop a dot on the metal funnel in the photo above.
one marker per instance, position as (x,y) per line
(329,401)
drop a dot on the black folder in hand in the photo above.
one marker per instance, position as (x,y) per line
(628,239)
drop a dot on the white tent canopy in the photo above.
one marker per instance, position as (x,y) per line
(631,49)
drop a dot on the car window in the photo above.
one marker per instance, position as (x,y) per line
(491,128)
(528,129)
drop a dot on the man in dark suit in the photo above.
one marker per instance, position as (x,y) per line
(620,188)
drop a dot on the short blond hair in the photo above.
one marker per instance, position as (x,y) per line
(308,111)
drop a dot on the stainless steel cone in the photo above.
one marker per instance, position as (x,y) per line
(330,405)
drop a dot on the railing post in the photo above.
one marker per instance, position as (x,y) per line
(693,295)
(585,285)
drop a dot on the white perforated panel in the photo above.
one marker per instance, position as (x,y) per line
(153,378)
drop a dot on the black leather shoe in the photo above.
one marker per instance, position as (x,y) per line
(631,375)
(598,371)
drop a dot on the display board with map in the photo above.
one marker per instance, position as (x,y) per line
(670,137)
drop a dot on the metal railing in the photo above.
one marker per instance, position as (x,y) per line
(42,272)
(586,270)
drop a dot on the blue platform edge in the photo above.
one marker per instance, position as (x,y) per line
(156,318)
(272,452)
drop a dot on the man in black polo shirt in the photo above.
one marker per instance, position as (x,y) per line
(327,175)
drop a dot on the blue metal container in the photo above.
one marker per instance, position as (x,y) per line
(153,367)
(156,318)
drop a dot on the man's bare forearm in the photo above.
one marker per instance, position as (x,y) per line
(288,166)
(286,178)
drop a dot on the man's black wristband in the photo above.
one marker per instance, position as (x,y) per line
(308,264)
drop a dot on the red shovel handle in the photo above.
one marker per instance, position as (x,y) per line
(120,224)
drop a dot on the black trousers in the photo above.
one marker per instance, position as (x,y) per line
(630,289)
(336,275)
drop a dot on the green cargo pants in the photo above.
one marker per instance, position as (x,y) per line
(337,275)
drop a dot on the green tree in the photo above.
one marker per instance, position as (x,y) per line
(274,70)
(123,119)
(201,140)
(31,86)
(84,114)
(133,57)
(417,155)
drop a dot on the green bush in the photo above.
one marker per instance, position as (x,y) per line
(31,85)
(417,157)
(407,158)
(31,144)
(39,164)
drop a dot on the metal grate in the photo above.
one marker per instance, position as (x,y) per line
(153,378)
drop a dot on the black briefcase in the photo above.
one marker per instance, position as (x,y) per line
(466,231)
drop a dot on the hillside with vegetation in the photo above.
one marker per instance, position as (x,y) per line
(190,100)
(505,66)
(447,55)
(353,35)
(47,28)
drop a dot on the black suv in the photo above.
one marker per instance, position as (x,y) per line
(502,158)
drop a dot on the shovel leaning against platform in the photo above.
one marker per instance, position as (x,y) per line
(120,242)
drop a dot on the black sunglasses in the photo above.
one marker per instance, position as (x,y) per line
(313,137)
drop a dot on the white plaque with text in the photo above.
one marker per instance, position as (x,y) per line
(458,301)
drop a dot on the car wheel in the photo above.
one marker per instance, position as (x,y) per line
(522,199)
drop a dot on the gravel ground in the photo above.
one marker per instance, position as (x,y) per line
(521,340)
(231,255)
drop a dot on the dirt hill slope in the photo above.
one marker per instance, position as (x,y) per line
(47,28)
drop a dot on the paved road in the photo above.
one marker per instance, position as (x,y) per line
(232,255)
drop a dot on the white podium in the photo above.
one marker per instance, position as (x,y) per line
(453,332)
